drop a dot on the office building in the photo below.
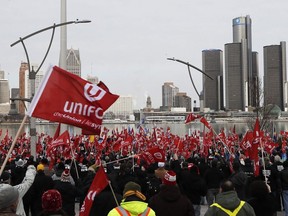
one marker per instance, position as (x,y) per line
(182,100)
(4,91)
(168,96)
(239,65)
(22,71)
(235,81)
(213,93)
(275,78)
(122,108)
(73,63)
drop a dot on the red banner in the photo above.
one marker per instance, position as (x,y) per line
(100,181)
(67,98)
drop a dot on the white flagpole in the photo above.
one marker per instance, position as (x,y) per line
(13,144)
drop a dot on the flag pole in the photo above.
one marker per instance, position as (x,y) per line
(13,144)
(113,193)
(263,161)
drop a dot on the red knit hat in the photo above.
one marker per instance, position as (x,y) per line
(169,178)
(51,201)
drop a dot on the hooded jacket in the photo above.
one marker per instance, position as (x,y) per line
(229,200)
(170,201)
(134,207)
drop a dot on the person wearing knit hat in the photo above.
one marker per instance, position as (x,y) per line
(133,202)
(68,192)
(40,167)
(169,178)
(8,198)
(42,183)
(52,203)
(160,171)
(65,176)
(169,200)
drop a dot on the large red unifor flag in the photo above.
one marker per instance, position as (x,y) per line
(100,181)
(69,99)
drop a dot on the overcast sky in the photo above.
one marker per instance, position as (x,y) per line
(128,41)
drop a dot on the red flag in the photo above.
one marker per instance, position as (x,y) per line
(154,155)
(205,122)
(254,149)
(57,132)
(72,100)
(62,140)
(100,181)
(191,117)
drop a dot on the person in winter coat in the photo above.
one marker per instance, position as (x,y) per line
(104,202)
(24,187)
(228,203)
(213,178)
(8,200)
(52,204)
(133,203)
(192,185)
(60,167)
(239,180)
(262,200)
(41,184)
(169,200)
(68,192)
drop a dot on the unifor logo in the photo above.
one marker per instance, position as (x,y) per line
(93,92)
(158,155)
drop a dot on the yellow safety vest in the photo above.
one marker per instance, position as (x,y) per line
(227,211)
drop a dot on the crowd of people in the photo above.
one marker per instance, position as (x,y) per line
(176,186)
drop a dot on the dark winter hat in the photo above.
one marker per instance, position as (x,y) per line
(169,178)
(51,201)
(131,186)
(133,189)
(8,195)
(65,176)
(5,177)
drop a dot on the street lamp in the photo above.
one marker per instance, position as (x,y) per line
(32,73)
(189,65)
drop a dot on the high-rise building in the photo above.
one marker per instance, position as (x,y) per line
(22,71)
(182,100)
(4,91)
(123,107)
(213,93)
(15,94)
(2,74)
(38,79)
(73,63)
(240,51)
(234,78)
(168,95)
(275,78)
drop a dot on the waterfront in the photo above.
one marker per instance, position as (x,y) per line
(179,128)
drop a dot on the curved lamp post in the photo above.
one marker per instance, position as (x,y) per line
(32,73)
(189,65)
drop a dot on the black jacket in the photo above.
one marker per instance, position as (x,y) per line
(170,201)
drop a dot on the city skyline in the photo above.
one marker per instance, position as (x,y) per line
(127,43)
